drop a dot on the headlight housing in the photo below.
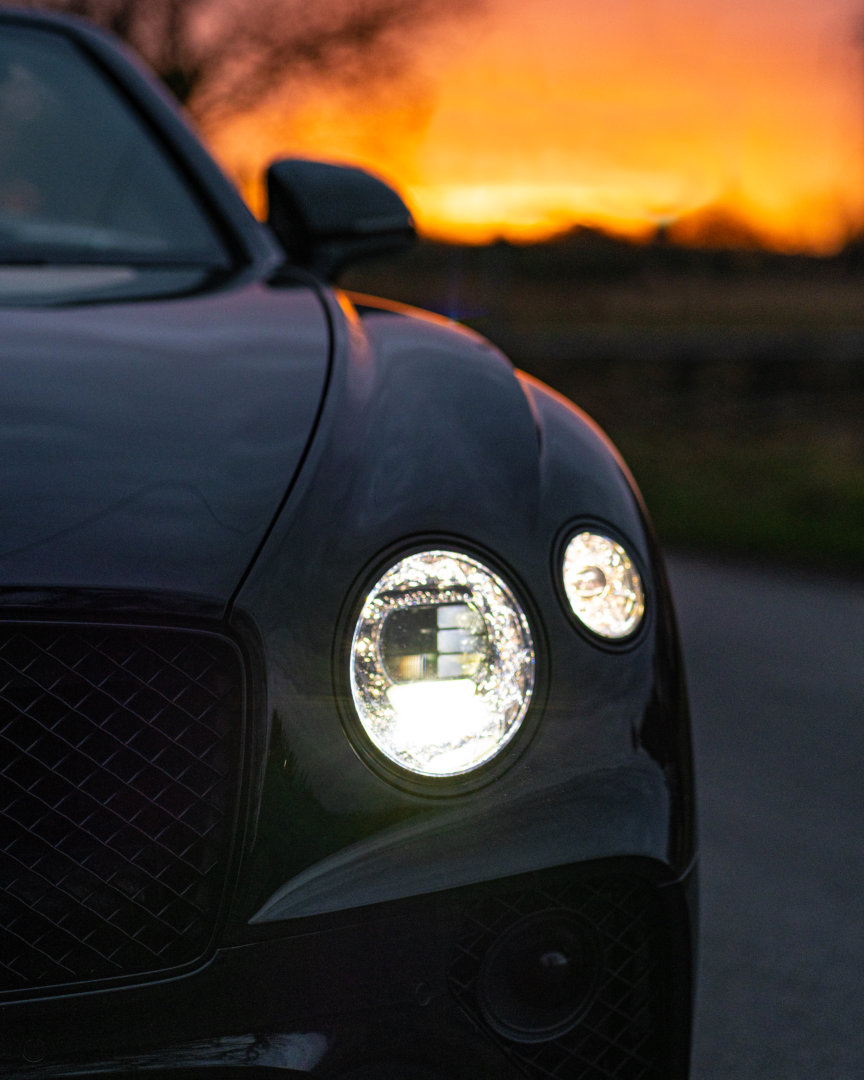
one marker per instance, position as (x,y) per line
(603,586)
(442,664)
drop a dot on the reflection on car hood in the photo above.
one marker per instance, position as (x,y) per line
(148,446)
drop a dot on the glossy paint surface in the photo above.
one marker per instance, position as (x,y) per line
(148,446)
(428,437)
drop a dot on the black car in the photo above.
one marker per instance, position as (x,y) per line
(342,723)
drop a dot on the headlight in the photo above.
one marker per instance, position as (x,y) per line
(442,664)
(602,586)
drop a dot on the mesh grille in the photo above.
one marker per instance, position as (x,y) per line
(622,1034)
(119,753)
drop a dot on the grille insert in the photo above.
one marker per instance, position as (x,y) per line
(119,752)
(623,1034)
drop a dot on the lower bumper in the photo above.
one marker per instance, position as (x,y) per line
(581,971)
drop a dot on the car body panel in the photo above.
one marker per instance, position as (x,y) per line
(148,447)
(302,595)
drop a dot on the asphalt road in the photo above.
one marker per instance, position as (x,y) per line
(776,672)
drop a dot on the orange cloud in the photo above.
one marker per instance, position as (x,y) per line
(626,115)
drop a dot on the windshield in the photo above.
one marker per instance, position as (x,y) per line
(83,182)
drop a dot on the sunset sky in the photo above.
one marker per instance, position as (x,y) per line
(523,119)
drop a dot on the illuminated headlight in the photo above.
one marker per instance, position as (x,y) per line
(442,664)
(602,585)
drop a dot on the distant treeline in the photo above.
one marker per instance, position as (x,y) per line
(591,253)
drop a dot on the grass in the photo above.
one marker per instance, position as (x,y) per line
(800,502)
(737,456)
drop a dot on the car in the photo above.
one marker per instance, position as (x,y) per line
(343,724)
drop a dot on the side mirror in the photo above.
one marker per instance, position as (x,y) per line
(326,216)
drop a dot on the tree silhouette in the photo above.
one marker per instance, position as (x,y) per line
(222,57)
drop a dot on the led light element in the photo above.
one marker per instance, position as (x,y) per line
(603,586)
(442,664)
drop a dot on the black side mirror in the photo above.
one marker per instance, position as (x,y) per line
(326,216)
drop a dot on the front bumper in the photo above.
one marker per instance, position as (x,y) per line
(409,988)
(539,934)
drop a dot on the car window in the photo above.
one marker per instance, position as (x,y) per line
(83,182)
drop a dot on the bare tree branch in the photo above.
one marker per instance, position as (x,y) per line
(223,57)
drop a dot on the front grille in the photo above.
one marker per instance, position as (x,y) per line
(624,1031)
(119,755)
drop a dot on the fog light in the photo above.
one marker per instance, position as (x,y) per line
(538,977)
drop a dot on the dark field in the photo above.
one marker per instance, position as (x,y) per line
(733,382)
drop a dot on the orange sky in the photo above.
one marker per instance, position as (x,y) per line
(533,117)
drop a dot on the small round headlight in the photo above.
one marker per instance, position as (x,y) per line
(603,586)
(442,664)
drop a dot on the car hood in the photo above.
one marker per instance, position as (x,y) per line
(146,448)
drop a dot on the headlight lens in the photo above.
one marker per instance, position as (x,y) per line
(442,664)
(602,585)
